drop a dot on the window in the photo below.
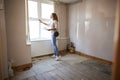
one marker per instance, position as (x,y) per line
(46,10)
(39,10)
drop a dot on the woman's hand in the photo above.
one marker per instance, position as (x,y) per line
(40,21)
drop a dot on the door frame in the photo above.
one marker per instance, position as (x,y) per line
(1,64)
(116,61)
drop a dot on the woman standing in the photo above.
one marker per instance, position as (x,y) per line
(53,28)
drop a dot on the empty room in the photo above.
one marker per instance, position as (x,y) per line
(59,39)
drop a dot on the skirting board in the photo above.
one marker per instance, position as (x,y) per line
(22,67)
(95,58)
(62,52)
(19,68)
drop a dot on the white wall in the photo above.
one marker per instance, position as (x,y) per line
(61,11)
(91,26)
(18,51)
(39,48)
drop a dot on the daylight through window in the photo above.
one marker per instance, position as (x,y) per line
(39,10)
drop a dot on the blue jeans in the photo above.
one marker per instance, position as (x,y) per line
(53,40)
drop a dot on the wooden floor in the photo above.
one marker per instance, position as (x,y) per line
(71,67)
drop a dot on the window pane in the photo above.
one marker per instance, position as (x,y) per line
(47,9)
(34,29)
(32,8)
(45,34)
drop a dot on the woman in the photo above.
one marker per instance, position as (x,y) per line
(53,28)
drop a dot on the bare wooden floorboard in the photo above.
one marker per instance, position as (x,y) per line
(76,69)
(48,76)
(62,75)
(49,69)
(22,79)
(69,72)
(39,77)
(89,72)
(69,75)
(74,73)
(57,77)
(92,73)
(32,78)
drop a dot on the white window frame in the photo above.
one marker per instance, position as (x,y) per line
(40,17)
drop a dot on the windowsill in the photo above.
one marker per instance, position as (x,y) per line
(28,43)
(36,40)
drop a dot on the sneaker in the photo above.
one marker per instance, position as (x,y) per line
(53,56)
(57,58)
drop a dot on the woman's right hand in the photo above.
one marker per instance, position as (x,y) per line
(40,21)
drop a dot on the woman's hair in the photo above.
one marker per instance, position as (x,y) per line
(54,15)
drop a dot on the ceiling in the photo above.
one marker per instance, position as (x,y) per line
(67,1)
